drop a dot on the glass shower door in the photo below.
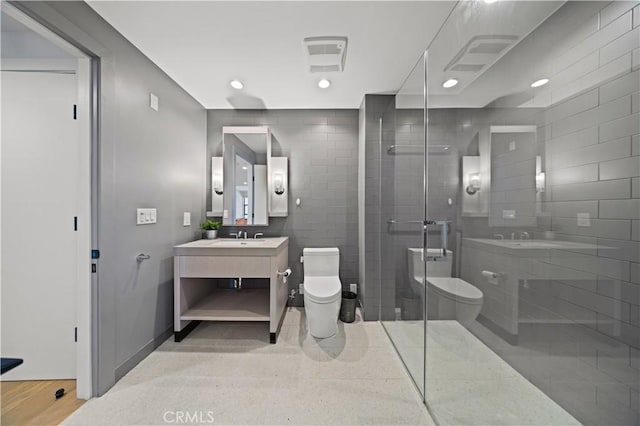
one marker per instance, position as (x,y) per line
(402,200)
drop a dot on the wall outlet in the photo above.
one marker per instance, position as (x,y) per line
(301,288)
(301,259)
(146,216)
(353,287)
(512,146)
(508,214)
(584,219)
(186,219)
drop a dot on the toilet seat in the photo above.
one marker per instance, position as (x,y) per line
(456,289)
(322,289)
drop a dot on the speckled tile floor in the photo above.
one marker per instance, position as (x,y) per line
(467,383)
(228,373)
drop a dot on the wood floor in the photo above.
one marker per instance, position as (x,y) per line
(34,402)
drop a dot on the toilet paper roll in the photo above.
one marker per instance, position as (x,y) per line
(492,277)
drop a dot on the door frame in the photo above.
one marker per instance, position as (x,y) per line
(86,281)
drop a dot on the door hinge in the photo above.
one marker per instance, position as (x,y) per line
(75,223)
(75,111)
(75,338)
(94,268)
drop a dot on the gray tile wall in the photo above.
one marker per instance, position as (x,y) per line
(322,147)
(372,109)
(589,146)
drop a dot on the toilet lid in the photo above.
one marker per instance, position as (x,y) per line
(455,288)
(322,289)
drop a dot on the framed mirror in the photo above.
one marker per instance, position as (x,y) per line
(245,182)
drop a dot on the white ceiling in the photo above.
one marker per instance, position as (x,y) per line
(204,45)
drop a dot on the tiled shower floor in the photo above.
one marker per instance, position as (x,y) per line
(467,383)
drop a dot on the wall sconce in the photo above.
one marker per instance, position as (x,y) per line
(474,183)
(540,181)
(217,184)
(278,183)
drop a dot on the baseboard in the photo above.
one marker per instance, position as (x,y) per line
(128,365)
(496,329)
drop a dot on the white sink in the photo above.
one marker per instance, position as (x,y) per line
(530,244)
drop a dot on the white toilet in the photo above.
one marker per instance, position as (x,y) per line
(448,298)
(322,290)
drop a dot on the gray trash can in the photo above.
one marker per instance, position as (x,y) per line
(348,307)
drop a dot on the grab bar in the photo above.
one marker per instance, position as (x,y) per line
(444,230)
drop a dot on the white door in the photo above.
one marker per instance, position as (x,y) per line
(40,170)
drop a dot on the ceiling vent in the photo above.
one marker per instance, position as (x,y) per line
(326,54)
(480,52)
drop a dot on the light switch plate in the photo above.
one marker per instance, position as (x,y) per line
(508,214)
(512,146)
(186,219)
(154,102)
(146,216)
(301,288)
(353,287)
(584,219)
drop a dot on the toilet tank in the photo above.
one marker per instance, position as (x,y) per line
(435,268)
(321,262)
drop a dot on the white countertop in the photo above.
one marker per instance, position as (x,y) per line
(232,247)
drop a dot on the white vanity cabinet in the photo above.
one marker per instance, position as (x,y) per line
(197,297)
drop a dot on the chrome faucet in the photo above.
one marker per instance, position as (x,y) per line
(525,235)
(241,233)
(234,234)
(258,235)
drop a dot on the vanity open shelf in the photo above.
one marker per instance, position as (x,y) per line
(197,297)
(231,305)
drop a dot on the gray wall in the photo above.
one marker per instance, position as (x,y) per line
(322,146)
(371,110)
(146,159)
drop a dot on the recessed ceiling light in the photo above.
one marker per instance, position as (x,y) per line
(244,167)
(490,1)
(236,84)
(450,83)
(540,82)
(324,83)
(244,183)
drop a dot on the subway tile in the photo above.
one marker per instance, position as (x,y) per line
(605,112)
(635,230)
(635,187)
(619,87)
(634,272)
(606,34)
(604,190)
(636,16)
(577,174)
(573,140)
(614,10)
(634,358)
(618,330)
(618,249)
(623,168)
(626,126)
(620,209)
(635,144)
(635,102)
(604,73)
(620,46)
(635,59)
(570,209)
(595,302)
(572,106)
(619,290)
(614,229)
(612,150)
